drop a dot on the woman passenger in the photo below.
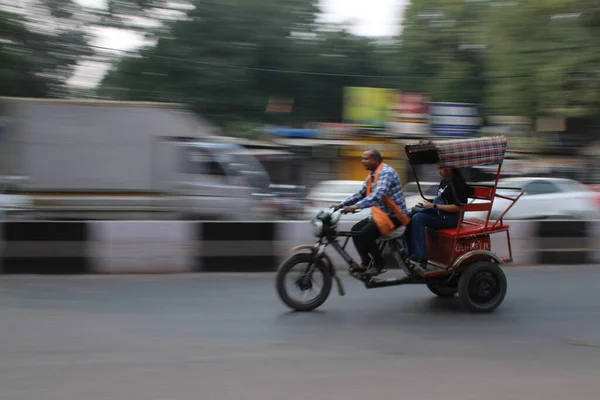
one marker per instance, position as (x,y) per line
(443,213)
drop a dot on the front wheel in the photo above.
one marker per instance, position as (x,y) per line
(482,287)
(311,289)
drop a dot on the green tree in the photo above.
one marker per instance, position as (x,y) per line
(547,54)
(227,58)
(442,49)
(41,48)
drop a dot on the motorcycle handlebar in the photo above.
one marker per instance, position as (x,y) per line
(342,210)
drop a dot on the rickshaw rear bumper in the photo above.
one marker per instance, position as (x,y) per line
(476,255)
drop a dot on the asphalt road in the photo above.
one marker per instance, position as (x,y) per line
(217,336)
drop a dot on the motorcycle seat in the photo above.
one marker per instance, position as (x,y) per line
(395,234)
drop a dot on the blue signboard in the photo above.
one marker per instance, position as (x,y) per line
(454,119)
(295,133)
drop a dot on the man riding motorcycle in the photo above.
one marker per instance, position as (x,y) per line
(382,192)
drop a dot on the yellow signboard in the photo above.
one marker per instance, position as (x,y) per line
(369,106)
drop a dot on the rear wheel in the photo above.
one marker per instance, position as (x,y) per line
(300,290)
(482,287)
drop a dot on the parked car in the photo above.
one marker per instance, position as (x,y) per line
(13,206)
(326,193)
(544,198)
(412,195)
(287,200)
(596,190)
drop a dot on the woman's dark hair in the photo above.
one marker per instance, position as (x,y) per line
(457,174)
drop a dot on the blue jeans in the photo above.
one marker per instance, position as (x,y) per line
(417,234)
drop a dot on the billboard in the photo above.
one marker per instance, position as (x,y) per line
(368,106)
(332,130)
(280,105)
(454,119)
(412,107)
(411,114)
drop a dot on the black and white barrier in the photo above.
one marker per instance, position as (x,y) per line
(565,242)
(112,247)
(244,247)
(45,248)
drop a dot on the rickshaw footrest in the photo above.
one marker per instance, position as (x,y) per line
(377,283)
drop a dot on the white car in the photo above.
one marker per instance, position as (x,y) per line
(14,206)
(412,195)
(326,193)
(543,198)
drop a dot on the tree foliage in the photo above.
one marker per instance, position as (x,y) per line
(227,58)
(41,48)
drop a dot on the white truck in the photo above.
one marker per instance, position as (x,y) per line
(93,159)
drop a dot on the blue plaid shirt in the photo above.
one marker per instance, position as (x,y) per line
(389,184)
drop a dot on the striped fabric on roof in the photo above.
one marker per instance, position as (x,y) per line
(458,153)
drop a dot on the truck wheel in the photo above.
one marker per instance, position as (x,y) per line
(482,287)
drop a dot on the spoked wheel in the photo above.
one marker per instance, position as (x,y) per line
(482,287)
(442,290)
(300,290)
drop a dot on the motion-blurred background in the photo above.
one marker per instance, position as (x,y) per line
(260,110)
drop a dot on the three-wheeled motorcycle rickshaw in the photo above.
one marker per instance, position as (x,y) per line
(460,259)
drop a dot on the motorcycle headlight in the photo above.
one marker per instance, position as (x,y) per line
(317,227)
(335,217)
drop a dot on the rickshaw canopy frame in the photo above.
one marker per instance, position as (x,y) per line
(458,153)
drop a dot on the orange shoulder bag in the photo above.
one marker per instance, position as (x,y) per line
(383,221)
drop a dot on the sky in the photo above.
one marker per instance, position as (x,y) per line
(367,17)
